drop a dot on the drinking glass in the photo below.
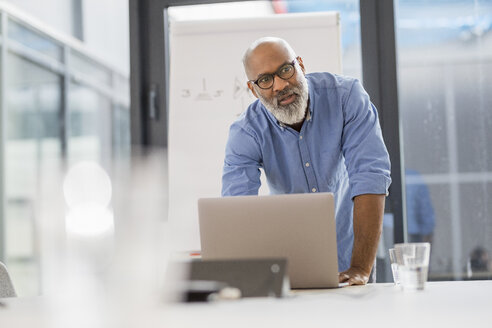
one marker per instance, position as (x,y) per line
(394,266)
(413,264)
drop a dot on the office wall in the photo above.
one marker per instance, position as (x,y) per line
(104,25)
(106,29)
(55,13)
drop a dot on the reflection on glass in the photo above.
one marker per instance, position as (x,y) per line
(420,211)
(444,80)
(32,157)
(34,40)
(479,263)
(90,127)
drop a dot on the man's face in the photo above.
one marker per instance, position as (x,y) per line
(286,99)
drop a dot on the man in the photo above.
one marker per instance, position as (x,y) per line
(314,133)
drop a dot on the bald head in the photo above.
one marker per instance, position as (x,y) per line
(265,49)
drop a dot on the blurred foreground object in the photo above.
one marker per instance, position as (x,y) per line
(6,286)
(197,280)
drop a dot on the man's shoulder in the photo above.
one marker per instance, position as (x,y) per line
(252,118)
(325,80)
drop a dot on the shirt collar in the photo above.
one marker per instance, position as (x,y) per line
(311,98)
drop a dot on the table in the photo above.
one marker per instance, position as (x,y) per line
(441,304)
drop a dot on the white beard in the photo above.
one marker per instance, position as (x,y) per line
(291,113)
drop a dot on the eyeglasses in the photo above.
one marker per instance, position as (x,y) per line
(285,72)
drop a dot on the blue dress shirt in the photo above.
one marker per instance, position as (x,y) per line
(339,149)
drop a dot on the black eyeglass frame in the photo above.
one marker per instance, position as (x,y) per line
(292,63)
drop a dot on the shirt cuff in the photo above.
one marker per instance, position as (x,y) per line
(369,183)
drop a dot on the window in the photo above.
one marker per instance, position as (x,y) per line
(50,80)
(20,33)
(444,67)
(89,127)
(32,155)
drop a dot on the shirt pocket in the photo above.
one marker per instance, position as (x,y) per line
(332,165)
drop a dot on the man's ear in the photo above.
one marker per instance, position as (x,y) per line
(250,86)
(299,60)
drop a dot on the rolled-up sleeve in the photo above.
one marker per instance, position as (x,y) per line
(241,172)
(366,157)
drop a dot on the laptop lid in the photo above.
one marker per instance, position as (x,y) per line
(299,227)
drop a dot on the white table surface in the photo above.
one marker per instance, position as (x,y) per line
(441,304)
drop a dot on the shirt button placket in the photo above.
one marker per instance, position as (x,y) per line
(307,164)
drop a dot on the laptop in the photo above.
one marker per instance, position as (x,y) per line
(298,227)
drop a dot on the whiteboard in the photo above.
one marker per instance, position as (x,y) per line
(208,92)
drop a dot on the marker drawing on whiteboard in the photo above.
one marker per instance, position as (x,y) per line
(204,95)
(239,92)
(186,93)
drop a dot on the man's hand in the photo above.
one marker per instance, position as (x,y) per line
(354,276)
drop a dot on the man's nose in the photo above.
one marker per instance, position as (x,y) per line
(279,84)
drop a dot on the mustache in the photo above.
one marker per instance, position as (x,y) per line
(285,93)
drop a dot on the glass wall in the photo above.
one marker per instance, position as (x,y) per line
(120,137)
(32,151)
(90,125)
(61,106)
(444,67)
(20,33)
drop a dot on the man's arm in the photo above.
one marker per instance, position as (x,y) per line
(241,172)
(368,219)
(368,166)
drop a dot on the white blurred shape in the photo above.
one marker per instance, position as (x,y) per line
(89,219)
(87,182)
